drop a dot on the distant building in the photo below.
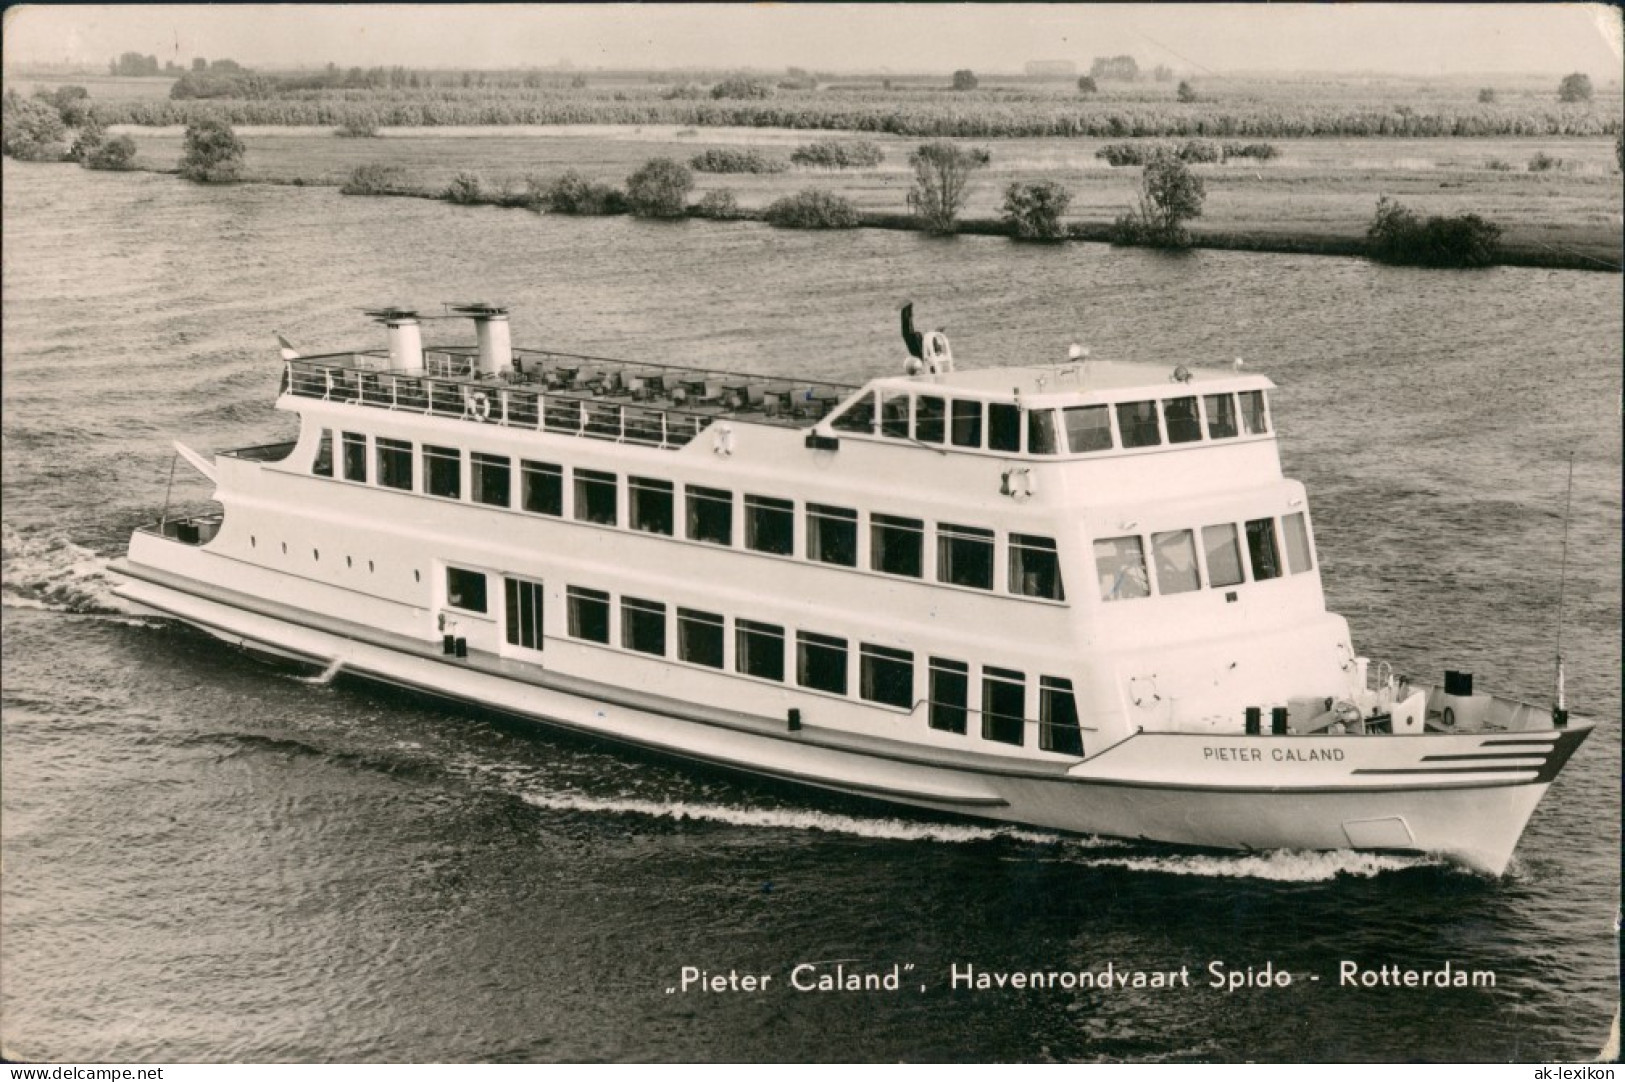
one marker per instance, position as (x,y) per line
(1115,67)
(1058,69)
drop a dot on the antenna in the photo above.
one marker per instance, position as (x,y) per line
(1560,713)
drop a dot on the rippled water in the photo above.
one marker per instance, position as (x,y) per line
(206,859)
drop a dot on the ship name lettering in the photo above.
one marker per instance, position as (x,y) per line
(1233,755)
(1307,755)
(695,979)
(813,977)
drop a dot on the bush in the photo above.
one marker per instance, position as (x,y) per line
(361,125)
(1034,211)
(719,204)
(1543,162)
(31,130)
(117,153)
(214,154)
(1498,165)
(1486,96)
(684,92)
(813,208)
(839,154)
(573,193)
(1396,235)
(1185,93)
(659,189)
(1170,195)
(730,160)
(741,87)
(942,173)
(965,79)
(465,188)
(1086,84)
(375,178)
(1574,88)
(1201,151)
(1120,154)
(1261,151)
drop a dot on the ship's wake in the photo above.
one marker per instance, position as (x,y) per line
(55,575)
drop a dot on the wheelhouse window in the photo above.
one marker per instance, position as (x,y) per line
(930,419)
(1223,554)
(1179,415)
(1058,717)
(595,497)
(710,515)
(1262,549)
(355,457)
(894,415)
(541,488)
(491,479)
(394,458)
(1254,416)
(1003,426)
(1041,432)
(965,556)
(897,545)
(588,614)
(1174,554)
(643,625)
(323,466)
(858,417)
(832,534)
(1088,428)
(759,649)
(1120,563)
(465,589)
(886,676)
(524,613)
(770,525)
(650,505)
(1298,559)
(967,425)
(1035,567)
(1221,415)
(1137,421)
(699,637)
(821,662)
(1004,695)
(443,471)
(950,695)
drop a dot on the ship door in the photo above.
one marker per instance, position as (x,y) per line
(523,613)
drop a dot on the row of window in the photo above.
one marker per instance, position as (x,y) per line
(1182,565)
(964,555)
(997,426)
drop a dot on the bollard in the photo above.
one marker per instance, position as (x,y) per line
(1278,720)
(1255,717)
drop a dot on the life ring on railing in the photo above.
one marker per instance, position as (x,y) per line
(480,406)
(939,357)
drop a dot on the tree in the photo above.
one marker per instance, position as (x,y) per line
(1486,96)
(1574,88)
(965,79)
(1034,211)
(214,154)
(117,153)
(1086,84)
(741,87)
(1186,92)
(1170,195)
(31,130)
(942,173)
(91,137)
(659,189)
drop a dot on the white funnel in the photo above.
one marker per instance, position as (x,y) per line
(405,337)
(491,328)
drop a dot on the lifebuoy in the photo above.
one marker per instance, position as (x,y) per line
(480,406)
(1448,718)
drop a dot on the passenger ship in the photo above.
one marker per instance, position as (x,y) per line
(1078,596)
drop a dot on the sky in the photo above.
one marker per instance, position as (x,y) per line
(1415,39)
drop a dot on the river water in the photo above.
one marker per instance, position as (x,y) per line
(207,859)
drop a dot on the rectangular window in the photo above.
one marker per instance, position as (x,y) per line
(965,556)
(770,525)
(323,466)
(394,458)
(1120,563)
(886,676)
(759,649)
(541,488)
(1088,428)
(1223,554)
(699,637)
(858,417)
(1137,421)
(1004,695)
(710,515)
(1003,426)
(967,426)
(1263,550)
(1254,418)
(897,545)
(1058,717)
(1035,567)
(1179,415)
(1041,432)
(595,497)
(490,479)
(643,625)
(465,589)
(443,472)
(821,662)
(1298,559)
(355,457)
(1174,554)
(930,419)
(832,535)
(589,614)
(524,612)
(1221,415)
(894,415)
(651,505)
(950,695)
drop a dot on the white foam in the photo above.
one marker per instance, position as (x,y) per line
(54,574)
(1281,865)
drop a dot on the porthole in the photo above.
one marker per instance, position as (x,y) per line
(284,548)
(348,562)
(417,576)
(369,567)
(316,554)
(253,542)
